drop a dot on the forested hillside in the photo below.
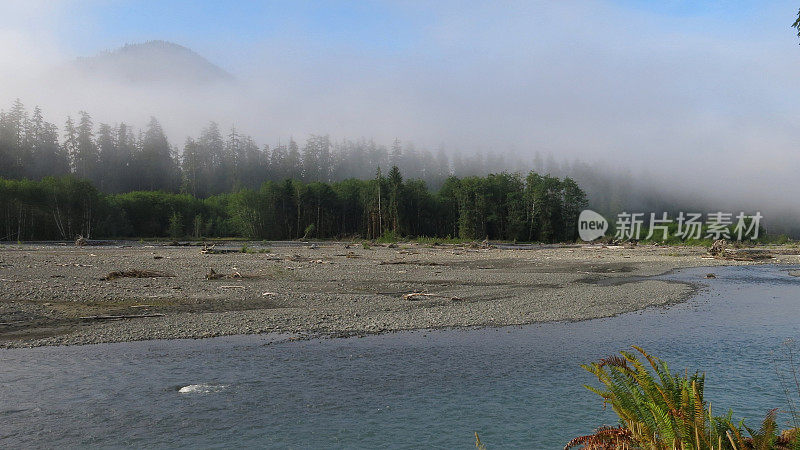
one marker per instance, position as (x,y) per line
(151,62)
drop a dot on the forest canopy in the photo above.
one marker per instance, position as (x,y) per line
(117,158)
(110,181)
(499,206)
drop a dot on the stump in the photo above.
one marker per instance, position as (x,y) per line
(718,248)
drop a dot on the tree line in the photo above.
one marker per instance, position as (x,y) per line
(500,206)
(114,181)
(117,158)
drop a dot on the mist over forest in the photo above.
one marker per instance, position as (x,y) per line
(639,124)
(119,158)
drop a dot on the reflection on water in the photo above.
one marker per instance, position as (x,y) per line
(518,386)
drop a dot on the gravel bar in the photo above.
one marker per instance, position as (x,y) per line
(58,294)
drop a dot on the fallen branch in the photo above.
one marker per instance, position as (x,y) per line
(135,273)
(413,296)
(213,275)
(214,251)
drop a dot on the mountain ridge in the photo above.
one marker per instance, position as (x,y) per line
(154,61)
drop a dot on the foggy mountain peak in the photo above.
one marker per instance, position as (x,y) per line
(157,61)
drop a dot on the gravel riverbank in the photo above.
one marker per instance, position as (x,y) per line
(57,295)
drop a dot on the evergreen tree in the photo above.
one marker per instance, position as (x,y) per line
(123,166)
(294,161)
(13,151)
(70,143)
(278,163)
(156,166)
(47,157)
(317,159)
(253,163)
(191,167)
(85,156)
(214,179)
(107,155)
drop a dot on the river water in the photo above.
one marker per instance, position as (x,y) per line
(516,386)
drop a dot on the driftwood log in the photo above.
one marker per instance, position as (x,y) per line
(719,250)
(413,296)
(214,275)
(135,273)
(121,316)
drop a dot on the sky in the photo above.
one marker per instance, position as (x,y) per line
(701,94)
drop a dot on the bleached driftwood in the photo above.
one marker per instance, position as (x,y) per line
(413,296)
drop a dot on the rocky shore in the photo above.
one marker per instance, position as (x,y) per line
(65,295)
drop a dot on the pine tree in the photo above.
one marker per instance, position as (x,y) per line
(294,161)
(107,155)
(124,166)
(13,153)
(47,157)
(191,167)
(35,130)
(155,162)
(323,144)
(70,144)
(278,161)
(212,153)
(85,154)
(312,160)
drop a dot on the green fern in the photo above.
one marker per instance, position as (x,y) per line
(661,409)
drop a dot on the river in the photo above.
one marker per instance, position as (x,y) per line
(516,386)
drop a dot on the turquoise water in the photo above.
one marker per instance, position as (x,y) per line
(516,386)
